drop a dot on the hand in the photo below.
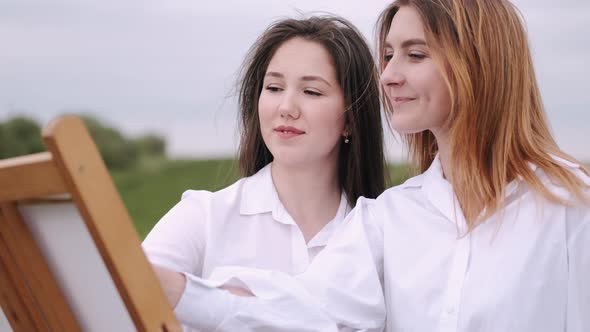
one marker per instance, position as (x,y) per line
(172,282)
(238,291)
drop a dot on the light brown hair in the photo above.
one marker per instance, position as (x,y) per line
(497,124)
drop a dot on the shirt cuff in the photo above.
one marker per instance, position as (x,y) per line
(204,306)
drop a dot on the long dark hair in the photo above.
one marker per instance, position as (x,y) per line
(361,164)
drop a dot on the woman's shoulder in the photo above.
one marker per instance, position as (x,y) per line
(406,189)
(205,198)
(390,200)
(557,187)
(577,212)
(237,196)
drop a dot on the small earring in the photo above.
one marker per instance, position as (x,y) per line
(346,140)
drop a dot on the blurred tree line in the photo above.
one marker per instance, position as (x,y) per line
(21,135)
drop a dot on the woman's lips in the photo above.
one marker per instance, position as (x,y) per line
(398,101)
(288,131)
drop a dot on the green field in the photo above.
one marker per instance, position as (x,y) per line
(154,187)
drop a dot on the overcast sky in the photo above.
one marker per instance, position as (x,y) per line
(169,66)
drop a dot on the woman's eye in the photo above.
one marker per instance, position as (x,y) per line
(418,56)
(273,88)
(313,93)
(387,58)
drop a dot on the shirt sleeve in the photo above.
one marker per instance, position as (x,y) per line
(340,291)
(346,277)
(178,240)
(205,307)
(578,299)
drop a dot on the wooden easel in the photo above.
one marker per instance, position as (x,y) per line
(70,257)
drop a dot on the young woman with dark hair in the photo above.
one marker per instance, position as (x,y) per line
(311,145)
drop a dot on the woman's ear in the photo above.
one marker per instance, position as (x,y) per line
(346,131)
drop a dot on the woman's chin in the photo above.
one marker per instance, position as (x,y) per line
(406,129)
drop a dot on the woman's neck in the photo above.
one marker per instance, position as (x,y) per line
(311,194)
(470,204)
(444,153)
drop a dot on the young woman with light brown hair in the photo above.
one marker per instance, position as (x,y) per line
(494,235)
(494,121)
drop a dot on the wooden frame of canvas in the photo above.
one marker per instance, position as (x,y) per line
(29,292)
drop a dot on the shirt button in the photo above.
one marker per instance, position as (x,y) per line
(450,310)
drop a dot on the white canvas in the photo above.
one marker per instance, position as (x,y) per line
(77,265)
(4,325)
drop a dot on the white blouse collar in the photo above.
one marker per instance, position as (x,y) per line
(259,195)
(440,194)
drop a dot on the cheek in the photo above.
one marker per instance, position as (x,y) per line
(330,118)
(433,89)
(265,110)
(441,97)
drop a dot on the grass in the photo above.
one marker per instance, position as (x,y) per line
(156,185)
(151,189)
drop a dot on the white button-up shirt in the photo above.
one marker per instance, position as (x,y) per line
(241,228)
(526,268)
